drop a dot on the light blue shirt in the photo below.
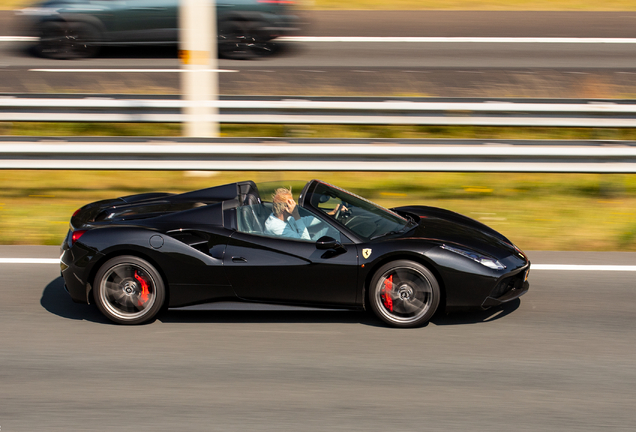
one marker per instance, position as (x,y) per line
(291,228)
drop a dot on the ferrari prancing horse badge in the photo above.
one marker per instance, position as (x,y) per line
(366,253)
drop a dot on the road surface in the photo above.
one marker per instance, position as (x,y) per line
(562,358)
(493,69)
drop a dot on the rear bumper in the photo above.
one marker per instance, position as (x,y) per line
(76,264)
(73,284)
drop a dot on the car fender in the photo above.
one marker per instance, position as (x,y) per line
(177,262)
(95,23)
(450,269)
(257,20)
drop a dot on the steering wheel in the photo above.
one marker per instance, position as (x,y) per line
(340,212)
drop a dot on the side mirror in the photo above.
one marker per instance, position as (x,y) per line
(326,242)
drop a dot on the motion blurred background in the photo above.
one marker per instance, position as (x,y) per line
(537,211)
(561,358)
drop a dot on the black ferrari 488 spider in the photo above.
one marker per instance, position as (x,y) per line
(136,255)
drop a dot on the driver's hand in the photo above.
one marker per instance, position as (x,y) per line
(339,207)
(292,208)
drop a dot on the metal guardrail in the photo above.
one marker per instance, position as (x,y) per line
(368,111)
(321,155)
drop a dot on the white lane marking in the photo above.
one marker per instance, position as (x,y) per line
(564,40)
(127,70)
(293,332)
(574,267)
(29,260)
(18,39)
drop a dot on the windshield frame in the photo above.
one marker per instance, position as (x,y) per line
(305,201)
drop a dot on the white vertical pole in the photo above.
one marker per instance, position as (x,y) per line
(199,63)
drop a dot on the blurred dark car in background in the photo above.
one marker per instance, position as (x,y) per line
(78,28)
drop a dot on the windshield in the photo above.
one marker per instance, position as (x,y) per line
(364,218)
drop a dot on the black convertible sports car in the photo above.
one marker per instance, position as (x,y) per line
(138,254)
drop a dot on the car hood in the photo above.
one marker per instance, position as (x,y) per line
(455,229)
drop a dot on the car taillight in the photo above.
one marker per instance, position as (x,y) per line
(76,212)
(76,236)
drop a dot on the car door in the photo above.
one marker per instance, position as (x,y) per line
(146,21)
(278,269)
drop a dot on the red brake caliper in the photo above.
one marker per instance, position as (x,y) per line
(145,292)
(384,294)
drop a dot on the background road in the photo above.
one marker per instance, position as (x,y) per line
(560,359)
(457,69)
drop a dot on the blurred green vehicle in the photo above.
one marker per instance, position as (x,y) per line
(78,28)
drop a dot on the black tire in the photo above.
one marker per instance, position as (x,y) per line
(63,40)
(242,40)
(404,294)
(129,290)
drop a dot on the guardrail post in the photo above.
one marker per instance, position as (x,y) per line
(199,77)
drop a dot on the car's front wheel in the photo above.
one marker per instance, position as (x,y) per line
(67,40)
(242,40)
(129,290)
(404,293)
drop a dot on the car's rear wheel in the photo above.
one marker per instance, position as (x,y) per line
(64,40)
(404,294)
(129,290)
(242,40)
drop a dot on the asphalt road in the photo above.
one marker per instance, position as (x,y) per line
(560,359)
(457,69)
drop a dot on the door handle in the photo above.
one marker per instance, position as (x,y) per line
(239,260)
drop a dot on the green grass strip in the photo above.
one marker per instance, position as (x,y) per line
(590,212)
(536,211)
(320,131)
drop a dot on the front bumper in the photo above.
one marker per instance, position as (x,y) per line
(508,289)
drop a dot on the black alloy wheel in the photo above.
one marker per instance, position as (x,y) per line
(404,294)
(129,290)
(242,40)
(67,40)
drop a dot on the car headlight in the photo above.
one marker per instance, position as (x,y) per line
(477,257)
